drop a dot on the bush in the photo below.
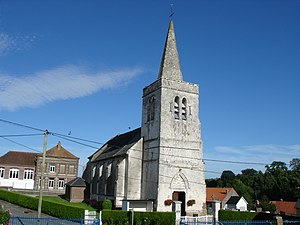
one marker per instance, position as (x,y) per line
(140,218)
(107,204)
(236,215)
(55,209)
(115,217)
(4,217)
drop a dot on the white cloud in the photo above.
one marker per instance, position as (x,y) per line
(259,150)
(260,154)
(6,43)
(10,44)
(67,82)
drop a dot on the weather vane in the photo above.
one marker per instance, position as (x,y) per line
(172,10)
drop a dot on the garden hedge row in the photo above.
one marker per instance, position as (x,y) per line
(51,208)
(116,217)
(237,215)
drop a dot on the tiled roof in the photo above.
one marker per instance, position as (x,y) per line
(118,145)
(18,158)
(77,182)
(288,208)
(217,193)
(59,152)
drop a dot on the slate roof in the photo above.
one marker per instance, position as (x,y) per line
(217,193)
(288,208)
(233,200)
(18,158)
(77,182)
(117,146)
(59,152)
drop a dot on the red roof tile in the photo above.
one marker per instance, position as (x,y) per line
(217,193)
(288,208)
(18,158)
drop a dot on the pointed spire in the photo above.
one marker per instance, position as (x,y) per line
(170,65)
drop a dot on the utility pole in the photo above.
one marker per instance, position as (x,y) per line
(42,174)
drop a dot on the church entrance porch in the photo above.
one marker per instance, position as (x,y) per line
(180,196)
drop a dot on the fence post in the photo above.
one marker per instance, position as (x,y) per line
(176,207)
(216,205)
(100,218)
(279,220)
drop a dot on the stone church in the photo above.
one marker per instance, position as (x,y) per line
(161,163)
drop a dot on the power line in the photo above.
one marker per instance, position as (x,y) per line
(19,135)
(77,142)
(17,143)
(235,162)
(70,138)
(21,125)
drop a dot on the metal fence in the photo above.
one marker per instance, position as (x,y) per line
(50,221)
(249,222)
(190,221)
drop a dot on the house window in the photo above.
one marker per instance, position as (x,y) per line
(176,108)
(71,169)
(28,174)
(61,184)
(183,109)
(52,168)
(14,173)
(2,170)
(51,183)
(62,168)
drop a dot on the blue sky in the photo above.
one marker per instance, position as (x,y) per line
(80,66)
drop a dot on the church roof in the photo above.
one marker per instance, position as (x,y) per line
(18,158)
(170,65)
(119,145)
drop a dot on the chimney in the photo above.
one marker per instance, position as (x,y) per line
(58,146)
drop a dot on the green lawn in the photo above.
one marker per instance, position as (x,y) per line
(61,200)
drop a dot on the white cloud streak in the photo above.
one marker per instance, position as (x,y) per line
(10,44)
(67,82)
(264,154)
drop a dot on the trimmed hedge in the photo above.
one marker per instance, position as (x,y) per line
(112,217)
(51,208)
(115,217)
(237,215)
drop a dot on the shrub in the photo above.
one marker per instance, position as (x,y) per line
(140,218)
(112,217)
(107,204)
(4,217)
(55,209)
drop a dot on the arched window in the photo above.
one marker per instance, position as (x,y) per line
(176,108)
(183,109)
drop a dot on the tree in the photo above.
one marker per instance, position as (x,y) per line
(276,166)
(227,175)
(295,164)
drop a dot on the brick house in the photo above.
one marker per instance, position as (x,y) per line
(17,170)
(22,170)
(61,166)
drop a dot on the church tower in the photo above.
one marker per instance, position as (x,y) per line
(173,167)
